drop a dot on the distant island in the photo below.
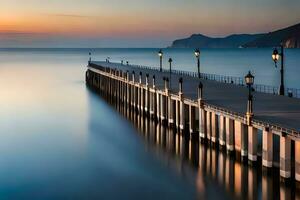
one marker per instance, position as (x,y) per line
(289,37)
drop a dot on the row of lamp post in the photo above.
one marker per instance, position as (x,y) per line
(249,78)
(160,55)
(197,54)
(275,56)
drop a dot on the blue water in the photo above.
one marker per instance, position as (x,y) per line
(61,141)
(230,62)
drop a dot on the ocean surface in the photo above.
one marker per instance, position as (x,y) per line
(59,140)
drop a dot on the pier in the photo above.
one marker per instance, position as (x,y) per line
(211,110)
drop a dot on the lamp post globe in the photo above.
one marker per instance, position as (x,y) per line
(160,55)
(197,54)
(249,79)
(276,55)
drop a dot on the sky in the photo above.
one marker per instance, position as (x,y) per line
(136,23)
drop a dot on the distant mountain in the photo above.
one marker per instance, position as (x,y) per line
(290,37)
(202,41)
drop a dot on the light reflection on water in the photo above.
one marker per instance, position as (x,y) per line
(216,173)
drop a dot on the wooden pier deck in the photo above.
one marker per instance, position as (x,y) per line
(281,111)
(218,117)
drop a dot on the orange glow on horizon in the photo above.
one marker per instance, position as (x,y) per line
(138,19)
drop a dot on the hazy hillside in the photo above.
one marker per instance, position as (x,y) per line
(202,41)
(290,37)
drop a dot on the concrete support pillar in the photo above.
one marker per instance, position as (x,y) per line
(117,88)
(267,153)
(240,138)
(136,89)
(252,143)
(132,95)
(153,98)
(229,134)
(297,160)
(147,99)
(139,104)
(192,119)
(202,123)
(128,88)
(108,90)
(170,110)
(202,116)
(142,105)
(244,140)
(125,92)
(177,113)
(151,104)
(208,125)
(120,88)
(222,130)
(214,127)
(123,89)
(158,105)
(165,99)
(285,156)
(182,109)
(163,107)
(138,97)
(182,115)
(133,89)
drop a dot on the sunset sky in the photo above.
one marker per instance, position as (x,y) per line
(135,23)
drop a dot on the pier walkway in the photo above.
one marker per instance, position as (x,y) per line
(275,110)
(219,116)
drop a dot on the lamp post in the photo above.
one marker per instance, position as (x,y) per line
(170,61)
(197,54)
(275,56)
(249,79)
(160,55)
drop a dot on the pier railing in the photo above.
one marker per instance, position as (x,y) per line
(291,92)
(206,76)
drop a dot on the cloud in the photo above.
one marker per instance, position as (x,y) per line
(69,15)
(14,32)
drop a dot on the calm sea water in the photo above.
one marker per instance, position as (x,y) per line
(60,140)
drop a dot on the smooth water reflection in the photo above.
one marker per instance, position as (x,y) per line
(216,174)
(61,141)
